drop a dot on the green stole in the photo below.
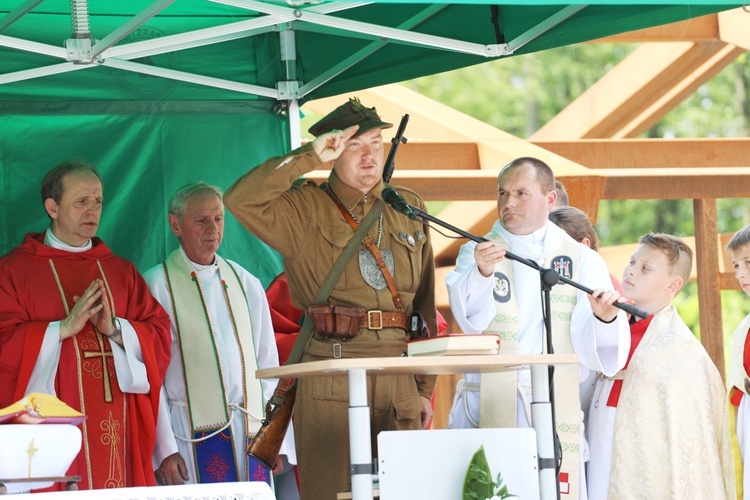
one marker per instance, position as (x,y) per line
(498,391)
(206,399)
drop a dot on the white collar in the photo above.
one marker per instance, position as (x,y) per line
(199,267)
(536,237)
(53,241)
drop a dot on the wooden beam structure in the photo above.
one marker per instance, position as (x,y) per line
(654,153)
(709,291)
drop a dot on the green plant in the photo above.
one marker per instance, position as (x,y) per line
(478,483)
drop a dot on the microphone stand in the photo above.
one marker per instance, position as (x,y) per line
(543,401)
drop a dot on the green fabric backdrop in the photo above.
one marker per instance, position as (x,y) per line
(144,152)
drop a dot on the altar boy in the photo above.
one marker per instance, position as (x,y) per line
(739,365)
(659,428)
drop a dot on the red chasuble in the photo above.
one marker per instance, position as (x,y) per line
(119,434)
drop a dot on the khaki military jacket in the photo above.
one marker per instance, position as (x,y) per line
(305,226)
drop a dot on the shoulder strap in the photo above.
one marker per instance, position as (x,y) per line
(305,332)
(374,250)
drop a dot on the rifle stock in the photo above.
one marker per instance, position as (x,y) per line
(266,444)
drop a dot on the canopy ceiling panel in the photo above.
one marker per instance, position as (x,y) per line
(240,49)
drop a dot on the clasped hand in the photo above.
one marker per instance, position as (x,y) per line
(91,306)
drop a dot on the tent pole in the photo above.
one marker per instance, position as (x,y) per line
(295,139)
(289,87)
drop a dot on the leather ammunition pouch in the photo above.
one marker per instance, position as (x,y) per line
(336,321)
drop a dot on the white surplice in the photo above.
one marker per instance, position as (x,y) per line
(600,347)
(173,418)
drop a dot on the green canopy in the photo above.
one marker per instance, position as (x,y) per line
(161,93)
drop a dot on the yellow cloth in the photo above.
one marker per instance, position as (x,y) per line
(671,437)
(37,407)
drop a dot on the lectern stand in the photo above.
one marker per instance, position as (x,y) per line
(359,413)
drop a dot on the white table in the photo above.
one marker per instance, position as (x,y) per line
(359,413)
(235,491)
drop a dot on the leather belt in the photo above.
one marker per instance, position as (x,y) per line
(377,320)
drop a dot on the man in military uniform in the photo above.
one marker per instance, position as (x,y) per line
(310,225)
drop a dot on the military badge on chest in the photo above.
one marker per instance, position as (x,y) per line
(370,270)
(563,265)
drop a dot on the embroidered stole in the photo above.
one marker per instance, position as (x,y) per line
(100,397)
(214,458)
(498,391)
(736,377)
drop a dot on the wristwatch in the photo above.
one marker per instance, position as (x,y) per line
(117,332)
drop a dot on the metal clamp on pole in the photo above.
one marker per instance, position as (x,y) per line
(364,468)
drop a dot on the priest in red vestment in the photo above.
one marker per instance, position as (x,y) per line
(78,322)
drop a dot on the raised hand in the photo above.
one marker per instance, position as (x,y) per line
(330,145)
(486,255)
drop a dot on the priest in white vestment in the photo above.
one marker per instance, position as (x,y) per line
(660,428)
(489,293)
(212,404)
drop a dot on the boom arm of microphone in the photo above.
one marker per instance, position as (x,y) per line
(550,276)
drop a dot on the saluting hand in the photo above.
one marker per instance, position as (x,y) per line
(86,306)
(330,145)
(486,255)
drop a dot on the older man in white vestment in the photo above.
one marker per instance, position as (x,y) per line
(221,333)
(491,294)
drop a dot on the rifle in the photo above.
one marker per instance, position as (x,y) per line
(390,162)
(267,442)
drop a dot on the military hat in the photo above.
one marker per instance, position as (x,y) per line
(348,114)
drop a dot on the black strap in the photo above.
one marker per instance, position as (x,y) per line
(499,36)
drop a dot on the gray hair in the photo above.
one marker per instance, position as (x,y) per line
(178,203)
(740,239)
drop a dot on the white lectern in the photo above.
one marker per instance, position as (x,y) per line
(359,412)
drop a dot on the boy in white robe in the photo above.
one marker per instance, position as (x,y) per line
(659,429)
(739,364)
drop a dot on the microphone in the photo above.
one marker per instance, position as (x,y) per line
(394,199)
